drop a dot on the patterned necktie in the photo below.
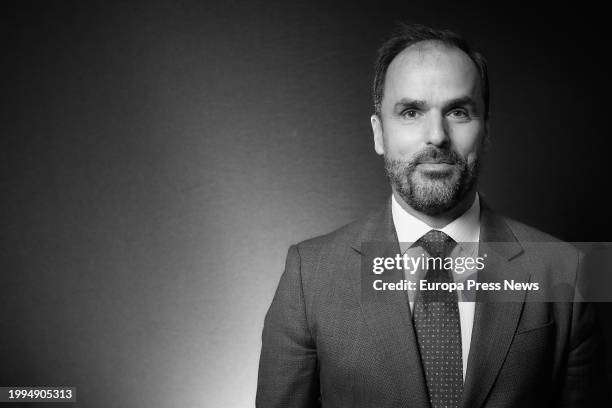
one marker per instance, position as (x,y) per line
(438,329)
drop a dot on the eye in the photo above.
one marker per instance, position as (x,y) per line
(459,114)
(410,114)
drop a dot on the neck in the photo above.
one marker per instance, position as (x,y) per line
(440,220)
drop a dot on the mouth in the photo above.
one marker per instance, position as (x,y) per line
(435,166)
(436,162)
(435,170)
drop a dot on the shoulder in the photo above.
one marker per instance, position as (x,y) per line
(337,246)
(499,228)
(544,247)
(538,251)
(526,233)
(343,236)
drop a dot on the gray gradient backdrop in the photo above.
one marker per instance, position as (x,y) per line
(159,158)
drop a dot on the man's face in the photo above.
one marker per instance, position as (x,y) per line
(431,126)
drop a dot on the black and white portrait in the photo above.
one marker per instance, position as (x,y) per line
(233,204)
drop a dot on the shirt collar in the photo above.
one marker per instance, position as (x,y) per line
(465,228)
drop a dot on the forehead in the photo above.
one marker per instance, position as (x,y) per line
(433,72)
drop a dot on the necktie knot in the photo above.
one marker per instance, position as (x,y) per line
(437,243)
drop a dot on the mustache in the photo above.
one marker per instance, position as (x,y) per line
(436,155)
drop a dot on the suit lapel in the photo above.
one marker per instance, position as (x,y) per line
(388,315)
(495,319)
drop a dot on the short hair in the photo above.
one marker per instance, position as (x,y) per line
(410,34)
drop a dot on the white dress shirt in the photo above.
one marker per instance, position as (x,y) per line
(465,230)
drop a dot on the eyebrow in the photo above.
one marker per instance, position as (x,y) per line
(407,103)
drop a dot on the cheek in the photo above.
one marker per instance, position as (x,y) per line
(400,147)
(468,142)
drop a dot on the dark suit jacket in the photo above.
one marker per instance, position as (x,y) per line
(324,345)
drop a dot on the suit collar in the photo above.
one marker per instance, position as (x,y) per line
(494,229)
(379,227)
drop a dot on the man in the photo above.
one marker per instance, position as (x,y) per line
(329,341)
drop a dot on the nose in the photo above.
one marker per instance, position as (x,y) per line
(437,132)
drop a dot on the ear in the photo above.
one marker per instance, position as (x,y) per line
(377,129)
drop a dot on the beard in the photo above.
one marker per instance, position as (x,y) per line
(432,192)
